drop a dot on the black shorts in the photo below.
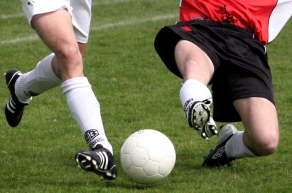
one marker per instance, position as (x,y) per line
(240,62)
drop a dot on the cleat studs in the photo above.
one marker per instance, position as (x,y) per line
(95,164)
(88,157)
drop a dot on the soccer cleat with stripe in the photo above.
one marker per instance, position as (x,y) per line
(99,161)
(217,156)
(199,117)
(13,108)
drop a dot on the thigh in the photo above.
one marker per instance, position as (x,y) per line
(56,31)
(193,62)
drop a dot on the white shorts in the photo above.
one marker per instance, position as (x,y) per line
(79,9)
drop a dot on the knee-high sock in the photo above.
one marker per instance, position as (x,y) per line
(192,91)
(85,109)
(37,81)
(236,148)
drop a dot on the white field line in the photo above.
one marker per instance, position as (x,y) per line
(97,28)
(125,23)
(105,2)
(11,16)
(111,2)
(18,40)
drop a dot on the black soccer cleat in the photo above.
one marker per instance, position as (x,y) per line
(13,107)
(99,161)
(217,156)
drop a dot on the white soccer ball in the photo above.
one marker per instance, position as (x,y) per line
(147,156)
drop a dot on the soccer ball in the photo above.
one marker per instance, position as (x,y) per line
(147,156)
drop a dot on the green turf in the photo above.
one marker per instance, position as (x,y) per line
(136,92)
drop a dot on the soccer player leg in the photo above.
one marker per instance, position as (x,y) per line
(23,86)
(86,111)
(99,158)
(196,69)
(68,64)
(261,135)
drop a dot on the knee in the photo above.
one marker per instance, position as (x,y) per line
(266,146)
(68,53)
(69,62)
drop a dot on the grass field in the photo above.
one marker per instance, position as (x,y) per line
(136,92)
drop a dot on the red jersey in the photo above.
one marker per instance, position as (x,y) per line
(265,18)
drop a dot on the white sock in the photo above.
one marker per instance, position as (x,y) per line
(37,81)
(192,91)
(85,110)
(235,147)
